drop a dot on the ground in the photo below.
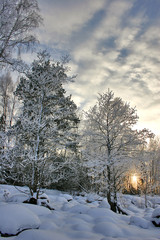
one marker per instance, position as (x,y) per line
(86,217)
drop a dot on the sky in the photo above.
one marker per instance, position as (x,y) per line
(112,44)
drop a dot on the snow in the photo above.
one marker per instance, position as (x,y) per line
(17,198)
(104,204)
(101,212)
(156,216)
(40,235)
(140,222)
(108,229)
(85,217)
(79,208)
(15,218)
(38,210)
(156,213)
(67,196)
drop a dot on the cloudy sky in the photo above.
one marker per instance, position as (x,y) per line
(112,44)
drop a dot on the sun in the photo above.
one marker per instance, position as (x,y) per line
(134,181)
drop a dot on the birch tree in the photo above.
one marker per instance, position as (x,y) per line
(7,110)
(7,100)
(46,126)
(111,141)
(17,20)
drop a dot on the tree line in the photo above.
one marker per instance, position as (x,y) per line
(46,142)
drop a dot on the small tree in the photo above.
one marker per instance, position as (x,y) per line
(46,126)
(110,142)
(17,19)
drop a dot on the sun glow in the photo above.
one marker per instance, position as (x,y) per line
(134,181)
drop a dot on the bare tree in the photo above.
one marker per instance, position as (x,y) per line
(17,19)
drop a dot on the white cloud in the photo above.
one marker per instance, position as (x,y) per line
(115,11)
(62,18)
(111,47)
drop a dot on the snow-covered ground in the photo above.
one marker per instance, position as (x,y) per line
(76,217)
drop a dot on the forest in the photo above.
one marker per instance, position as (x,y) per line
(46,141)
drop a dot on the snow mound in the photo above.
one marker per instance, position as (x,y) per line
(81,236)
(48,225)
(19,198)
(68,205)
(80,208)
(106,219)
(67,196)
(139,222)
(156,217)
(81,199)
(156,213)
(58,199)
(148,213)
(108,229)
(81,226)
(101,212)
(15,218)
(85,217)
(104,204)
(78,224)
(40,235)
(38,210)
